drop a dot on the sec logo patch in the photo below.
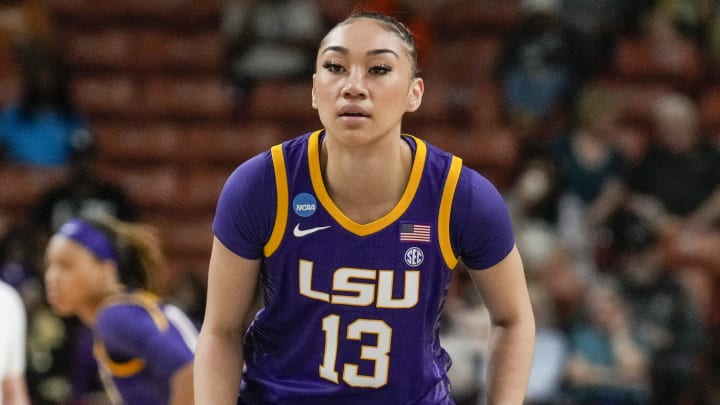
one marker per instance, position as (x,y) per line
(414,256)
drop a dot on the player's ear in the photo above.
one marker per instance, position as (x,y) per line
(314,98)
(417,88)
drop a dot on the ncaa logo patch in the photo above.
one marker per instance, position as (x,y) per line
(304,204)
(414,256)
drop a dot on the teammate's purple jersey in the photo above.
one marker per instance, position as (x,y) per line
(352,310)
(139,344)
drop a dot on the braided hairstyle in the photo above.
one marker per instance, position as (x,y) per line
(392,25)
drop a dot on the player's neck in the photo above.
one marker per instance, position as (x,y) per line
(366,186)
(89,312)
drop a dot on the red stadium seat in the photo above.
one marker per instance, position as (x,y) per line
(103,48)
(186,97)
(337,10)
(132,143)
(185,13)
(103,95)
(149,186)
(709,110)
(486,104)
(492,150)
(465,60)
(10,85)
(229,145)
(89,10)
(184,236)
(201,188)
(288,100)
(680,64)
(463,17)
(186,265)
(21,185)
(172,50)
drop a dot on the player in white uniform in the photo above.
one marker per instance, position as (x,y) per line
(12,348)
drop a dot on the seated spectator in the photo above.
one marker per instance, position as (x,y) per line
(689,17)
(43,127)
(270,40)
(537,68)
(608,363)
(20,20)
(667,52)
(551,351)
(667,321)
(676,187)
(584,154)
(678,180)
(595,26)
(564,280)
(589,169)
(465,335)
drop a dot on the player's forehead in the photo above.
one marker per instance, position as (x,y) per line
(362,35)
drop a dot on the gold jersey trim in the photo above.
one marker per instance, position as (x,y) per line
(445,210)
(281,211)
(147,301)
(338,215)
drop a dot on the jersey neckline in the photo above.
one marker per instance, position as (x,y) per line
(395,213)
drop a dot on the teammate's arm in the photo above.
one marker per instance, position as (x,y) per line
(505,294)
(181,386)
(13,387)
(14,390)
(232,281)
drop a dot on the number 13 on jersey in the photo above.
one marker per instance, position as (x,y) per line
(379,353)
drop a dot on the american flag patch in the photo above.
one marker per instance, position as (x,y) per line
(410,232)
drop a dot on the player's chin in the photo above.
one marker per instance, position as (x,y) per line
(58,307)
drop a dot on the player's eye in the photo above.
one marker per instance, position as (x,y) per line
(380,69)
(332,67)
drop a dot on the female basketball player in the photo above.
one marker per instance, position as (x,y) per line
(102,273)
(354,232)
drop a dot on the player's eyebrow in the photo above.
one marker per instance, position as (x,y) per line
(339,49)
(345,51)
(382,50)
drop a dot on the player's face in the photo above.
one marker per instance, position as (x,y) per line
(364,82)
(74,278)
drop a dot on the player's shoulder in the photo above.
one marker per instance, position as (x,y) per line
(432,152)
(300,141)
(130,309)
(9,295)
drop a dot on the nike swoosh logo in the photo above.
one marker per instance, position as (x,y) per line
(304,232)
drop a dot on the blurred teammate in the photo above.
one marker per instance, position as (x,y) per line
(102,272)
(354,231)
(13,388)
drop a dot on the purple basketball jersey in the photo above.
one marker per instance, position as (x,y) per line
(140,342)
(352,310)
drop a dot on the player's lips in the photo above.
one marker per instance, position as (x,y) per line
(353,111)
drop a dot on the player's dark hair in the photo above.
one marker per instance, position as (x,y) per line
(393,25)
(140,256)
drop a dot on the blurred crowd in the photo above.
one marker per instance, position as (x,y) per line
(614,191)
